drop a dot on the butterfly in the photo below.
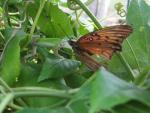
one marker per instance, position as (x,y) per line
(102,42)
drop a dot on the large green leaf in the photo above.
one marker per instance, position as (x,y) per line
(138,17)
(104,91)
(140,39)
(10,58)
(55,68)
(109,91)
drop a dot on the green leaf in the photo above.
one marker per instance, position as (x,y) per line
(138,17)
(109,91)
(140,38)
(10,59)
(44,110)
(29,74)
(75,80)
(13,2)
(48,42)
(28,78)
(7,33)
(132,107)
(56,22)
(82,30)
(143,76)
(118,68)
(79,106)
(56,68)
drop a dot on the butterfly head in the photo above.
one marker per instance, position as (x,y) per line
(72,43)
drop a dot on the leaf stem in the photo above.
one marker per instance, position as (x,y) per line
(3,83)
(74,7)
(40,91)
(5,14)
(35,21)
(127,66)
(89,13)
(8,98)
(142,77)
(138,65)
(1,35)
(33,91)
(14,106)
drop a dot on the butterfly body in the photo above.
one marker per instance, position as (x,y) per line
(103,42)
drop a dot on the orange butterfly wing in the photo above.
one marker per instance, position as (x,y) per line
(84,56)
(106,41)
(88,60)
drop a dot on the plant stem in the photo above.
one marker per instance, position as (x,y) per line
(14,106)
(9,97)
(21,102)
(35,21)
(77,7)
(5,14)
(138,65)
(89,13)
(127,66)
(39,91)
(142,77)
(3,83)
(3,38)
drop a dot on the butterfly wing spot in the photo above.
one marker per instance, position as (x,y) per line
(93,34)
(107,37)
(89,38)
(97,36)
(86,38)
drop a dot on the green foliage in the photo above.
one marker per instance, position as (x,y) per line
(115,92)
(139,41)
(39,73)
(32,110)
(55,21)
(10,58)
(56,68)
